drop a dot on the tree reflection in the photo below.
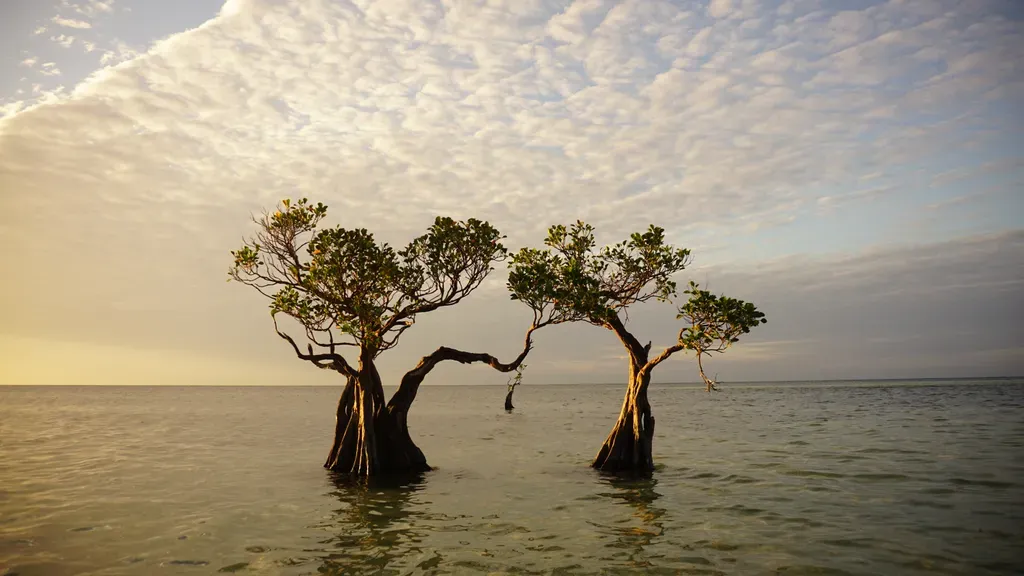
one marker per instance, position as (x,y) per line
(639,493)
(376,529)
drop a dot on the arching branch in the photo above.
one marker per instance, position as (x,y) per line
(327,361)
(636,350)
(406,392)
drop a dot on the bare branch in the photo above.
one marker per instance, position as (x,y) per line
(329,360)
(665,354)
(406,392)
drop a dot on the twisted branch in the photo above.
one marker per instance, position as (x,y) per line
(327,361)
(406,392)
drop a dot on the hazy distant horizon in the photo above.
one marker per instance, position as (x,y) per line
(723,384)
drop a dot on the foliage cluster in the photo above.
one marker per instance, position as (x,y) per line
(578,282)
(338,281)
(347,289)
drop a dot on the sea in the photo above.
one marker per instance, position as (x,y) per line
(841,478)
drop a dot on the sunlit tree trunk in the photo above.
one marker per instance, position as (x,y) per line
(342,424)
(370,437)
(629,445)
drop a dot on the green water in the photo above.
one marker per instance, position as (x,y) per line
(858,478)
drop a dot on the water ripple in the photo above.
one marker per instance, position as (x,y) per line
(862,479)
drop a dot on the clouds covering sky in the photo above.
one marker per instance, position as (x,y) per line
(854,167)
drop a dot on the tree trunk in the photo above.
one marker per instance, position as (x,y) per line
(508,400)
(342,422)
(371,438)
(370,441)
(628,447)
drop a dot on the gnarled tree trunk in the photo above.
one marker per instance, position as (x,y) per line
(629,445)
(342,423)
(371,437)
(370,441)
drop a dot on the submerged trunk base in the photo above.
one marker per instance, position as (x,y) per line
(375,446)
(628,447)
(625,451)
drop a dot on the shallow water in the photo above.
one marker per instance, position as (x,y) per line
(856,478)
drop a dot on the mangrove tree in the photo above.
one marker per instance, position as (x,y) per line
(354,297)
(580,283)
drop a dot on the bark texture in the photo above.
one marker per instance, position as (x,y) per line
(371,437)
(628,447)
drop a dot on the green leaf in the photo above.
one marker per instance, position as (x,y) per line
(581,282)
(344,280)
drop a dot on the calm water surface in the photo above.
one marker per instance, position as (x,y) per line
(806,479)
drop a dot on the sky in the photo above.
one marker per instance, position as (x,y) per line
(855,168)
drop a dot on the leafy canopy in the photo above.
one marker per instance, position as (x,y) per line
(338,281)
(716,322)
(573,281)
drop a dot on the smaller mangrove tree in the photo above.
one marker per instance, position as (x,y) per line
(579,282)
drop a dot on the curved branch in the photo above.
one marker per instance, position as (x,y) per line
(406,392)
(637,350)
(326,361)
(653,362)
(388,343)
(661,357)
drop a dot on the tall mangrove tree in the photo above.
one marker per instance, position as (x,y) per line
(354,297)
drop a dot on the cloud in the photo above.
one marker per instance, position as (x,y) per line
(937,309)
(92,8)
(723,121)
(955,201)
(29,62)
(719,8)
(121,52)
(63,40)
(49,69)
(724,125)
(71,23)
(833,201)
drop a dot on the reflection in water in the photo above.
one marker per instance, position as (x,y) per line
(639,493)
(382,527)
(866,480)
(375,528)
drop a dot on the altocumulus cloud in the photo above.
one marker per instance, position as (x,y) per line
(718,121)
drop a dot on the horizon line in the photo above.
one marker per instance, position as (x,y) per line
(681,384)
